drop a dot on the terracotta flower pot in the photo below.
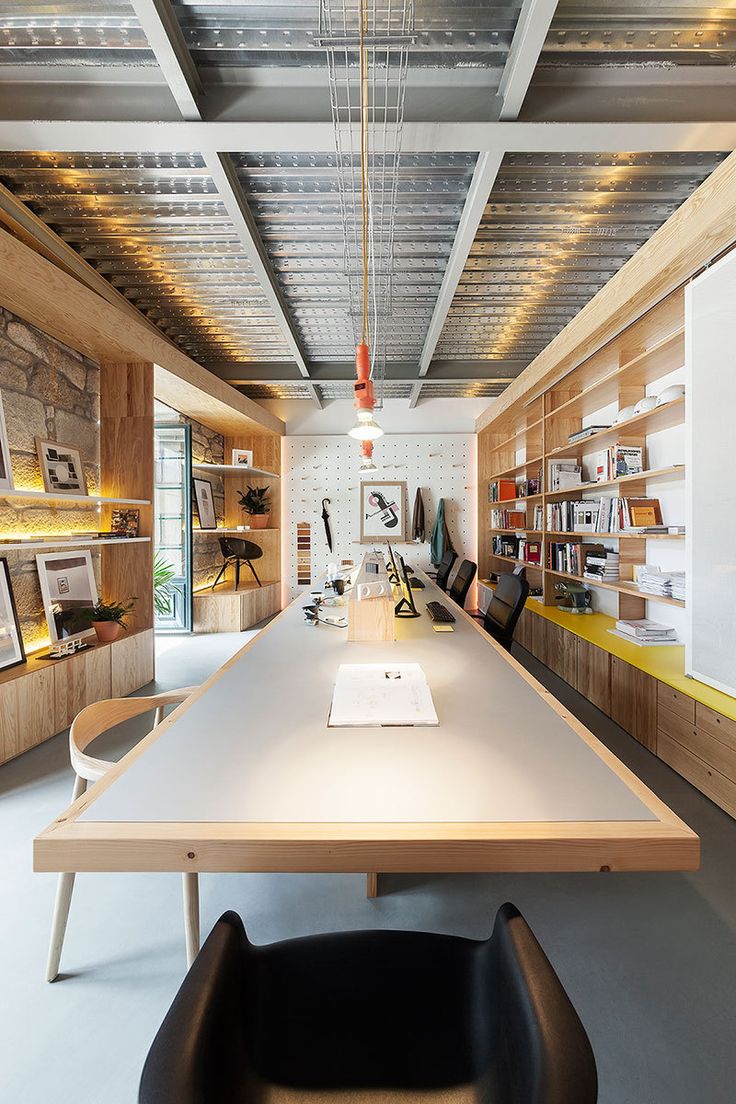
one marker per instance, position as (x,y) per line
(259,521)
(106,631)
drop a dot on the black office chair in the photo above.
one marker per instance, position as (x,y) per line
(444,567)
(237,551)
(395,1012)
(505,607)
(461,583)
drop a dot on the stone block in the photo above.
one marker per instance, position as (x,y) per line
(81,433)
(25,418)
(49,351)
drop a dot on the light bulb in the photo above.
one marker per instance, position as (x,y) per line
(366,429)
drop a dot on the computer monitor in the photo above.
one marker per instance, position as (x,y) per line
(391,568)
(405,607)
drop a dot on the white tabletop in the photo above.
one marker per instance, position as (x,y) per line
(255,747)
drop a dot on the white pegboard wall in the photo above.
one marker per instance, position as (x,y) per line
(317,467)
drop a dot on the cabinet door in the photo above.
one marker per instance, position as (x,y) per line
(634,702)
(562,653)
(594,675)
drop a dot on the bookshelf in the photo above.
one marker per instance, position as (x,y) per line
(534,429)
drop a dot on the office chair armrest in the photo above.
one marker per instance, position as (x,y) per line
(197,1052)
(542,1050)
(476,614)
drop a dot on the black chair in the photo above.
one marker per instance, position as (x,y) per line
(505,607)
(444,567)
(395,1012)
(461,583)
(237,551)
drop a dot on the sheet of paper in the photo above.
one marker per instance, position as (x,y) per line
(375,694)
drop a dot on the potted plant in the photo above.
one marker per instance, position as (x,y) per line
(163,574)
(256,504)
(108,618)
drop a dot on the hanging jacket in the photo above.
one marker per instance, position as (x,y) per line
(418,530)
(441,540)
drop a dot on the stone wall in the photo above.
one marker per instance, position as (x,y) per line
(208,447)
(48,391)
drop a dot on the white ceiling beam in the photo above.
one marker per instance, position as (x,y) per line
(529,37)
(231,194)
(294,137)
(531,32)
(162,30)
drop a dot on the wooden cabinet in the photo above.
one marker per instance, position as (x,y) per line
(561,649)
(79,681)
(634,702)
(132,663)
(27,715)
(225,610)
(594,675)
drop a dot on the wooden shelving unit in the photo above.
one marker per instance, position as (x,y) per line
(71,499)
(534,430)
(38,546)
(236,469)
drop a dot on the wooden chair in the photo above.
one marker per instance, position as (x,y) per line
(90,723)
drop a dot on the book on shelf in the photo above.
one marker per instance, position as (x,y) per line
(533,552)
(563,475)
(663,584)
(581,434)
(653,643)
(571,557)
(645,629)
(644,511)
(616,461)
(602,566)
(569,516)
(502,490)
(616,515)
(508,519)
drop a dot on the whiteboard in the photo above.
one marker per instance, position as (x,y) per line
(710,351)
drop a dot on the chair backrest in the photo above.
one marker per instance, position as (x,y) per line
(101,716)
(504,608)
(240,549)
(445,567)
(461,583)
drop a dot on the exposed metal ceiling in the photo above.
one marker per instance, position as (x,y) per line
(238,256)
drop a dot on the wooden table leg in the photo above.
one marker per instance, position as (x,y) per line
(371,885)
(190,886)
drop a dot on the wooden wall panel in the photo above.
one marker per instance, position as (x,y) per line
(126,468)
(132,663)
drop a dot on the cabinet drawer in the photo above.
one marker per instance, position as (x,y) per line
(709,781)
(713,752)
(676,701)
(716,725)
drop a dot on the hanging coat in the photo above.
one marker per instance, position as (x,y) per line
(441,540)
(418,530)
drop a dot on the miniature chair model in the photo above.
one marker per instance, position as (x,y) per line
(371,1015)
(90,723)
(237,551)
(505,608)
(462,581)
(444,568)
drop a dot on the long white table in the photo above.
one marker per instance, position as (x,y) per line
(246,775)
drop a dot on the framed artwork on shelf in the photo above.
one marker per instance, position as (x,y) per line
(125,523)
(243,458)
(382,511)
(6,471)
(205,503)
(62,469)
(68,587)
(12,651)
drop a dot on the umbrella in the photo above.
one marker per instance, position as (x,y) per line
(418,530)
(326,520)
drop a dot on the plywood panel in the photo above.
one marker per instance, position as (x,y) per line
(126,469)
(132,663)
(701,743)
(79,681)
(234,611)
(594,675)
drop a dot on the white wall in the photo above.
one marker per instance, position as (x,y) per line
(327,466)
(430,416)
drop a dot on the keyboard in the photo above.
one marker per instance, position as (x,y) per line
(440,613)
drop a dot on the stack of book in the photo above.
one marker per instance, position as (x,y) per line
(618,460)
(572,517)
(645,633)
(602,567)
(616,515)
(572,559)
(518,548)
(581,434)
(664,584)
(564,475)
(508,519)
(503,490)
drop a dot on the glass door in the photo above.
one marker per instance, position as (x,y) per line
(172,528)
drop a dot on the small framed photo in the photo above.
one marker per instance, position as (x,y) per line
(243,458)
(382,511)
(205,502)
(6,471)
(68,586)
(125,523)
(62,469)
(12,651)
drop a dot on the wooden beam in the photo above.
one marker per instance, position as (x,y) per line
(701,228)
(41,293)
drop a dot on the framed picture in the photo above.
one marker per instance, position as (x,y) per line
(61,468)
(67,587)
(382,511)
(6,472)
(12,651)
(125,523)
(205,503)
(243,458)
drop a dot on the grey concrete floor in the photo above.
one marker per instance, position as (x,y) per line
(649,960)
